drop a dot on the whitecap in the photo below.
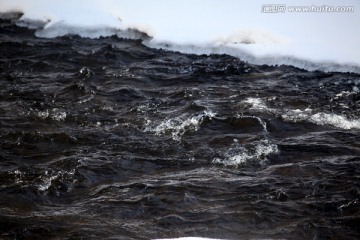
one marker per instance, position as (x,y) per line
(54,114)
(256,103)
(178,126)
(322,118)
(255,152)
(309,115)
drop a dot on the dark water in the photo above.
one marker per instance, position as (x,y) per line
(107,138)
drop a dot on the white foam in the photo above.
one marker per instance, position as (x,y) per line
(315,41)
(178,126)
(255,152)
(322,118)
(256,103)
(309,115)
(54,114)
(47,180)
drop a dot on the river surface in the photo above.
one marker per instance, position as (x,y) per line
(109,139)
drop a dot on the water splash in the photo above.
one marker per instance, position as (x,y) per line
(253,153)
(309,115)
(178,126)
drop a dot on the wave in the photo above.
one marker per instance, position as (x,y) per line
(46,181)
(254,153)
(306,115)
(322,118)
(322,41)
(178,126)
(54,114)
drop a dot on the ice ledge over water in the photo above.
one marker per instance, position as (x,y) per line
(326,41)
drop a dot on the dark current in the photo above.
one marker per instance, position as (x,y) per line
(109,139)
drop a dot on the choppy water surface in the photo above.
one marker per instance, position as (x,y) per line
(106,138)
